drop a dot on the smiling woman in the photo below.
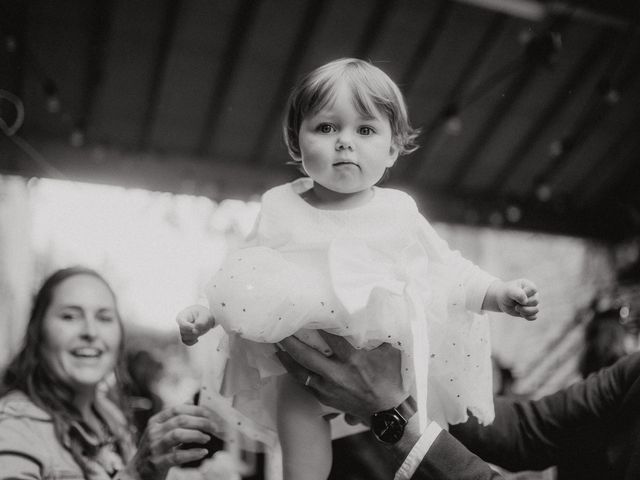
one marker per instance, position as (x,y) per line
(55,419)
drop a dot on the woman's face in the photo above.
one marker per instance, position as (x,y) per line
(81,332)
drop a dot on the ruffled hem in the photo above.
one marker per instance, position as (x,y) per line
(355,296)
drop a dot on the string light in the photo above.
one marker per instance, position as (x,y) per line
(10,44)
(77,137)
(609,93)
(543,192)
(496,219)
(52,100)
(452,120)
(513,213)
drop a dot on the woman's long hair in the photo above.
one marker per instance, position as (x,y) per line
(28,372)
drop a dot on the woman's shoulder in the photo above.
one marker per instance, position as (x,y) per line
(17,404)
(28,444)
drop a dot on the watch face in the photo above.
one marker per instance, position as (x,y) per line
(388,427)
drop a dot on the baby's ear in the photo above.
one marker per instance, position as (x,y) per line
(394,151)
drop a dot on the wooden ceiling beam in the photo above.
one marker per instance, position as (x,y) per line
(615,164)
(480,209)
(99,28)
(593,115)
(379,15)
(218,179)
(172,9)
(537,11)
(313,13)
(467,74)
(425,46)
(245,15)
(13,48)
(523,77)
(221,179)
(490,125)
(515,161)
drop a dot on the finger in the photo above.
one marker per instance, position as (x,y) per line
(303,376)
(527,310)
(340,345)
(176,436)
(188,422)
(307,356)
(177,410)
(297,371)
(179,456)
(529,287)
(517,294)
(532,301)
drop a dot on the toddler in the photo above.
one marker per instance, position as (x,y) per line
(333,251)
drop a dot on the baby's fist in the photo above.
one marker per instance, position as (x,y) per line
(193,322)
(518,298)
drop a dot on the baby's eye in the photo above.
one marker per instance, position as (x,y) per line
(366,131)
(326,128)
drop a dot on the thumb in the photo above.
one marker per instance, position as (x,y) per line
(529,287)
(518,294)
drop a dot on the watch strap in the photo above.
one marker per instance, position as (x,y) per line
(408,408)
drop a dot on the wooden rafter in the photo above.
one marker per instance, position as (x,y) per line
(554,105)
(481,51)
(308,24)
(165,39)
(246,12)
(425,46)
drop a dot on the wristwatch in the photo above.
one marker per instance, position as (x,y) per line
(388,425)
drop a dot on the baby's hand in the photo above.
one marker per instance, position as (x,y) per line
(518,298)
(194,321)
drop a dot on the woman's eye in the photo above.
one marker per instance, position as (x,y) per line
(326,128)
(68,316)
(366,131)
(105,318)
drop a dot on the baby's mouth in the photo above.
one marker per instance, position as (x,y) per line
(346,162)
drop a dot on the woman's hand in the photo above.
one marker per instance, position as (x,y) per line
(357,382)
(159,450)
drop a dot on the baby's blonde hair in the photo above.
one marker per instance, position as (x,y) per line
(371,88)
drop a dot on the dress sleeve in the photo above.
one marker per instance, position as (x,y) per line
(22,454)
(474,280)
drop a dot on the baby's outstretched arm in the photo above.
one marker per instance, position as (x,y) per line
(193,322)
(516,297)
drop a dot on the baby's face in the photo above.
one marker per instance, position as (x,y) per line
(344,151)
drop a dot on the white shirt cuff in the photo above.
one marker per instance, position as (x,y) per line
(418,452)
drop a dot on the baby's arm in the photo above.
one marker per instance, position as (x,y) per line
(516,297)
(193,322)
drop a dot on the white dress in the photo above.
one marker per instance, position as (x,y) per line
(375,273)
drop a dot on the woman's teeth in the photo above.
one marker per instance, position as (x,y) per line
(86,352)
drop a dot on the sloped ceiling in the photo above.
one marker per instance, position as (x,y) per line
(529,110)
